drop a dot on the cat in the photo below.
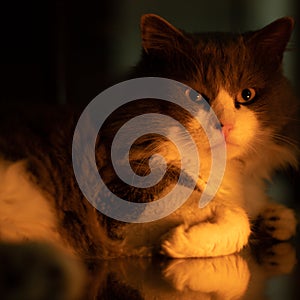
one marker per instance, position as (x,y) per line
(241,77)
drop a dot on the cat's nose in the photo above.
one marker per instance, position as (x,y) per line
(226,129)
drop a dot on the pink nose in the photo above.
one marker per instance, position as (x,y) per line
(226,129)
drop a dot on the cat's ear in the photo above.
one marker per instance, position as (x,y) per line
(158,34)
(272,39)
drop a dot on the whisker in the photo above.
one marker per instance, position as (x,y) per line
(285,139)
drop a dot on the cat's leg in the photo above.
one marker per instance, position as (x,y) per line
(226,233)
(277,221)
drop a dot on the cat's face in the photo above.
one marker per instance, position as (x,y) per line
(238,74)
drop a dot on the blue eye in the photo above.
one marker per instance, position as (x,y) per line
(193,95)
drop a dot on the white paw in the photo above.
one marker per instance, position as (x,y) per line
(175,243)
(279,222)
(205,240)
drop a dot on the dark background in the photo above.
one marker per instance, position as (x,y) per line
(64,51)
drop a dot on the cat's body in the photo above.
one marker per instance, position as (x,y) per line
(241,77)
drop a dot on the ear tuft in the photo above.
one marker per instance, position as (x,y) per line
(273,38)
(158,34)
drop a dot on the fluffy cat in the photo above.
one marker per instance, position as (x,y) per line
(241,77)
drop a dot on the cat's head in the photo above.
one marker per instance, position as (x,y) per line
(241,77)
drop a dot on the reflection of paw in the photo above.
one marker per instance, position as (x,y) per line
(279,222)
(279,259)
(226,276)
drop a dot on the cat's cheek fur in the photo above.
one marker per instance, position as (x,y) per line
(244,132)
(243,121)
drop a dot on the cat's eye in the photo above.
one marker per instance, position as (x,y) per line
(193,95)
(246,96)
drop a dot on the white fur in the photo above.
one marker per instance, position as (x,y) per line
(25,213)
(244,122)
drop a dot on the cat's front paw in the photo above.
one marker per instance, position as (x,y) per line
(278,221)
(175,243)
(206,239)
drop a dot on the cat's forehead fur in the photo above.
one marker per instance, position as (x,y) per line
(208,61)
(217,63)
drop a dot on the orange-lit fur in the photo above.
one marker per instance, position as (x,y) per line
(27,212)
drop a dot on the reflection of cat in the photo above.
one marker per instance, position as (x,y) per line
(241,77)
(238,276)
(211,278)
